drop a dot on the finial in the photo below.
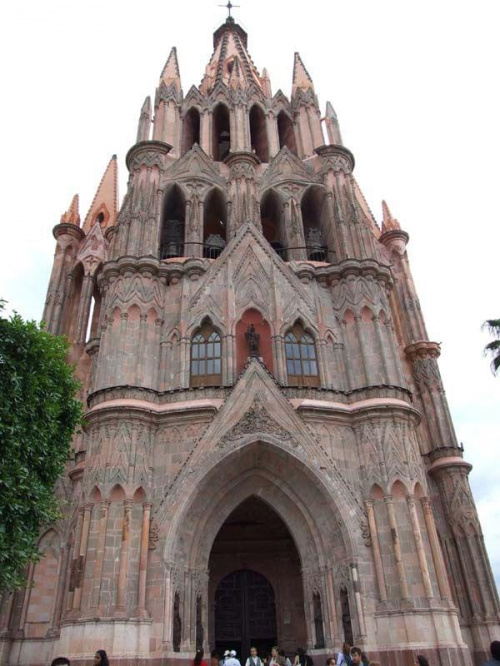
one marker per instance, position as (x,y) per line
(229,6)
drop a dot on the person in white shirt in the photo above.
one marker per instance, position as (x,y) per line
(231,660)
(344,657)
(253,659)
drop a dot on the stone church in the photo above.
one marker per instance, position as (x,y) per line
(268,455)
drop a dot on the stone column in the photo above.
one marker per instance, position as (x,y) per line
(422,560)
(357,599)
(387,375)
(99,557)
(396,545)
(74,558)
(470,539)
(329,606)
(62,574)
(362,343)
(27,595)
(143,561)
(77,598)
(84,308)
(122,575)
(168,611)
(379,567)
(6,605)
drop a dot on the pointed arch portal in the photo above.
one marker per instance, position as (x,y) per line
(261,511)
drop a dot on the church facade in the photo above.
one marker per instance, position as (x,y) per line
(268,455)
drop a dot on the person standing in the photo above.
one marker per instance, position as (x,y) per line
(422,661)
(101,658)
(344,657)
(286,661)
(253,659)
(495,655)
(198,659)
(302,658)
(357,657)
(231,660)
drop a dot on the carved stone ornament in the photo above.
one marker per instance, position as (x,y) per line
(256,420)
(365,533)
(154,534)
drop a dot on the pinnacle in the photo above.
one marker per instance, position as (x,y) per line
(388,222)
(105,204)
(72,215)
(330,111)
(146,107)
(301,77)
(170,73)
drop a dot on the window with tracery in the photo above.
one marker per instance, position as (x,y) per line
(301,361)
(206,360)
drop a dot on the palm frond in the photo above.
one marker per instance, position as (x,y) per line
(493,327)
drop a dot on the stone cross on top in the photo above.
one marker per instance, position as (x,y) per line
(229,6)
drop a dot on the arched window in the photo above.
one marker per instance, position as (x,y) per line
(258,133)
(191,130)
(301,363)
(273,226)
(206,359)
(221,133)
(172,231)
(312,212)
(214,224)
(285,132)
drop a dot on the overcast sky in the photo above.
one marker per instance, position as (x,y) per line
(415,85)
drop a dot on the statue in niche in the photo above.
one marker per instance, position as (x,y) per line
(253,340)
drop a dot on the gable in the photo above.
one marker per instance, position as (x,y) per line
(195,164)
(285,167)
(254,270)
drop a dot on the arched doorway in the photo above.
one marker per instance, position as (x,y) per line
(256,584)
(245,613)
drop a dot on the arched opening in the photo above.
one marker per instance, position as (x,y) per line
(94,313)
(190,130)
(254,569)
(346,615)
(258,133)
(221,133)
(273,224)
(262,329)
(285,132)
(301,361)
(318,621)
(312,205)
(206,357)
(100,218)
(177,623)
(172,230)
(214,224)
(70,324)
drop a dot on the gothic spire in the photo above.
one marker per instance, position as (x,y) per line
(388,222)
(230,42)
(144,126)
(332,125)
(104,208)
(171,74)
(301,77)
(72,215)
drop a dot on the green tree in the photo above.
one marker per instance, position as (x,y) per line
(38,415)
(493,348)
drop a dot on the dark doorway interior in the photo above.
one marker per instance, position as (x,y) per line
(255,570)
(245,613)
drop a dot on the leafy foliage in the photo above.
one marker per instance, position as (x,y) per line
(38,415)
(493,348)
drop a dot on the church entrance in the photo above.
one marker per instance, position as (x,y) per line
(256,591)
(245,613)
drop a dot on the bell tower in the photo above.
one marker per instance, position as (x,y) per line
(268,456)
